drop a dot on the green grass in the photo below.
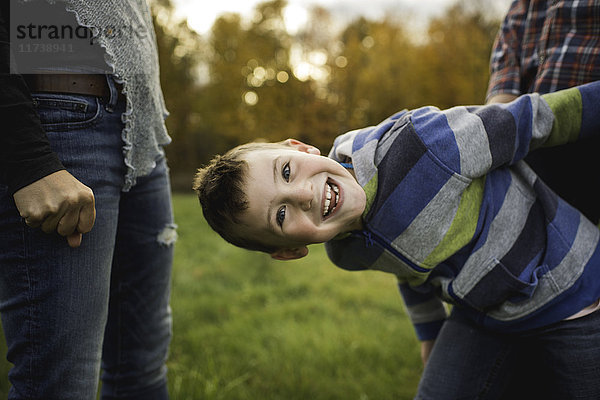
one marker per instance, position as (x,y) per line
(248,327)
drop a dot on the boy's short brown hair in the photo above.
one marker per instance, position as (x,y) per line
(221,191)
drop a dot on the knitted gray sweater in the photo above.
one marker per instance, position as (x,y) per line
(124,29)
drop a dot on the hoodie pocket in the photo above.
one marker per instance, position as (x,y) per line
(500,284)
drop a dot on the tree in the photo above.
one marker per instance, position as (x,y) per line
(251,80)
(455,59)
(373,73)
(180,51)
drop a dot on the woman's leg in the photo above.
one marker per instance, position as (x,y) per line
(139,325)
(53,298)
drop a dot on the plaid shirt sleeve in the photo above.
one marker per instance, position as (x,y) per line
(505,70)
(545,46)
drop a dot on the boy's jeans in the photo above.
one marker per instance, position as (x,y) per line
(64,309)
(558,362)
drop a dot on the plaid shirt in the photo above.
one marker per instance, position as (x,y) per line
(543,46)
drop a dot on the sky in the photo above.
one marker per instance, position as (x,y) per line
(202,13)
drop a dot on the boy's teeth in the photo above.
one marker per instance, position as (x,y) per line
(328,198)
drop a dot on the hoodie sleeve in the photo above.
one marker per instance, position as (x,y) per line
(425,310)
(576,114)
(473,140)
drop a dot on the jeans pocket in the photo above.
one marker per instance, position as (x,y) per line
(500,284)
(60,112)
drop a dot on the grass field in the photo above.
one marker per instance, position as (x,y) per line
(247,327)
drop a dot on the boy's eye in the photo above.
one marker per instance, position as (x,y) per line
(280,216)
(286,172)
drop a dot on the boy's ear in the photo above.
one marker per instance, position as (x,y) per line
(300,146)
(290,254)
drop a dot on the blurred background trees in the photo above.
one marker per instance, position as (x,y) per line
(252,79)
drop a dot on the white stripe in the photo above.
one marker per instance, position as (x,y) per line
(558,280)
(472,141)
(429,311)
(504,230)
(387,262)
(363,162)
(428,229)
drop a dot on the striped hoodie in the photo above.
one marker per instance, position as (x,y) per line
(457,216)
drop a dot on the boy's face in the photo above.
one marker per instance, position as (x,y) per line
(297,197)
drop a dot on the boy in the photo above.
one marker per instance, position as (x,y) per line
(441,200)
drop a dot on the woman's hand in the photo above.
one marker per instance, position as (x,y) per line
(58,202)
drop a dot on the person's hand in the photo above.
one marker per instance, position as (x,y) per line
(501,98)
(426,347)
(58,202)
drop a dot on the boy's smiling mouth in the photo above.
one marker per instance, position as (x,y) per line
(331,197)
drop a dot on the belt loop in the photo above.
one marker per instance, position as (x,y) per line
(114,94)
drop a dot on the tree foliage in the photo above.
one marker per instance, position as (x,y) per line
(250,80)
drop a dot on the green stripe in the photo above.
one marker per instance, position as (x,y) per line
(371,191)
(463,225)
(567,108)
(416,278)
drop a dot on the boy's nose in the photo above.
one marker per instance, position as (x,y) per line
(304,196)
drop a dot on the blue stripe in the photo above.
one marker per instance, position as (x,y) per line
(393,169)
(432,127)
(496,186)
(375,133)
(547,197)
(530,242)
(351,253)
(524,256)
(562,235)
(590,97)
(522,112)
(409,197)
(496,286)
(428,330)
(361,138)
(583,293)
(412,296)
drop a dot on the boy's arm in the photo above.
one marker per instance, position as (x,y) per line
(474,140)
(425,310)
(547,120)
(576,113)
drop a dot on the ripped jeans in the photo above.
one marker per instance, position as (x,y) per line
(68,313)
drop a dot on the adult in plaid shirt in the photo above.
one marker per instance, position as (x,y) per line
(543,46)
